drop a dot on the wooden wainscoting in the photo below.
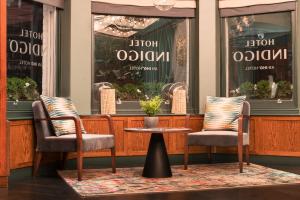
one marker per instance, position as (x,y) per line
(276,135)
(22,141)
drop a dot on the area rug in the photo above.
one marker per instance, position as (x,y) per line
(97,182)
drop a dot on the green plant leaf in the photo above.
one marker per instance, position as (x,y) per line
(152,106)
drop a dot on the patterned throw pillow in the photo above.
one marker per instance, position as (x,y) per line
(58,107)
(221,113)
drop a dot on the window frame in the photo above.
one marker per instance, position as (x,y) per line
(264,107)
(23,109)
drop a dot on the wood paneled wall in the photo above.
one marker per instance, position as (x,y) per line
(276,136)
(3,134)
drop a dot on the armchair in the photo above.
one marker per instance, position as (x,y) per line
(77,142)
(225,138)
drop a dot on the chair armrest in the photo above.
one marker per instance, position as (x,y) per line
(240,129)
(247,117)
(240,123)
(56,118)
(110,123)
(77,126)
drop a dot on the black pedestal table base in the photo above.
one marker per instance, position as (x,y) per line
(157,163)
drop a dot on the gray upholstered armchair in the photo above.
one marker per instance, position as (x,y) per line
(47,141)
(224,138)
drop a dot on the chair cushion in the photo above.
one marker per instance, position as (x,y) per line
(216,138)
(221,113)
(67,143)
(58,107)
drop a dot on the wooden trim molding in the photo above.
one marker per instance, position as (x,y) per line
(56,3)
(148,3)
(247,3)
(258,9)
(117,9)
(4,169)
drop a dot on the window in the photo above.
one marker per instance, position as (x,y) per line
(258,59)
(31,47)
(24,60)
(141,56)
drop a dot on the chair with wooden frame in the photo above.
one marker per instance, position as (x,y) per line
(47,141)
(224,138)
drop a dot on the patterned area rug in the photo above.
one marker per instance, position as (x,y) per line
(98,182)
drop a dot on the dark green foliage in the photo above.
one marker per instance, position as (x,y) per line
(128,92)
(21,89)
(247,88)
(131,91)
(263,90)
(152,89)
(284,89)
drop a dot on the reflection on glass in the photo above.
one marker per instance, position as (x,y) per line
(121,26)
(139,55)
(259,56)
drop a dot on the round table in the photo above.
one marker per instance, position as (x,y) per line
(157,163)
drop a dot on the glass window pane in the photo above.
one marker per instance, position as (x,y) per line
(139,56)
(259,57)
(24,47)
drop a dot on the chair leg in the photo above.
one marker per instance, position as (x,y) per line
(64,160)
(79,165)
(240,157)
(247,154)
(186,156)
(113,159)
(210,150)
(37,161)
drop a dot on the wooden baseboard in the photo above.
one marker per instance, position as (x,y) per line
(3,181)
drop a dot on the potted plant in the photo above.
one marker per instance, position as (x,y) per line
(151,107)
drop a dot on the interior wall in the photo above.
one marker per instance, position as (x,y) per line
(77,54)
(81,32)
(208,52)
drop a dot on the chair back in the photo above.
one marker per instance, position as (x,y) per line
(246,112)
(43,128)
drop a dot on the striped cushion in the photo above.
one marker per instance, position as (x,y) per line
(58,107)
(221,113)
